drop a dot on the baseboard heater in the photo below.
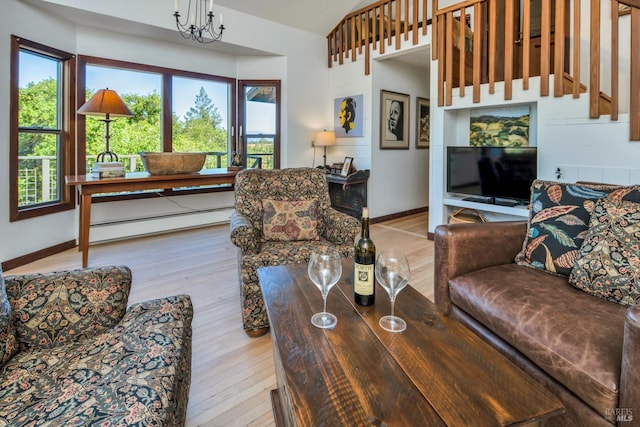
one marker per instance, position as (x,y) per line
(142,226)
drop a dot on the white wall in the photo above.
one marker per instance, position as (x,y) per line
(295,57)
(400,177)
(347,80)
(29,235)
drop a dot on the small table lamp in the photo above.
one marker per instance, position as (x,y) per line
(106,103)
(323,139)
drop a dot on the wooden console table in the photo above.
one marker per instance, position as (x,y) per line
(87,186)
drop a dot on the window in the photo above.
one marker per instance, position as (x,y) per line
(141,91)
(42,100)
(173,110)
(200,118)
(260,123)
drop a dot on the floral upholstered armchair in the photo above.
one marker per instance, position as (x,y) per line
(280,216)
(72,354)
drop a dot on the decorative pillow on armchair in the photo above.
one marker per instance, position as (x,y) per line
(609,262)
(8,341)
(558,219)
(289,220)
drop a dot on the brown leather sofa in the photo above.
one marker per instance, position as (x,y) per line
(583,348)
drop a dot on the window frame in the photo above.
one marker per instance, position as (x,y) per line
(242,116)
(167,75)
(66,154)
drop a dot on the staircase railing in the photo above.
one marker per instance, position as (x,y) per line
(633,9)
(375,27)
(477,42)
(503,47)
(489,41)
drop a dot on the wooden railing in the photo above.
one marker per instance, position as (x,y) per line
(634,63)
(382,24)
(503,48)
(486,41)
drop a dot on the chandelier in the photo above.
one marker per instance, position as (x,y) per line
(198,24)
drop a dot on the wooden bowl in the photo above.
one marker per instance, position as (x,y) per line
(172,163)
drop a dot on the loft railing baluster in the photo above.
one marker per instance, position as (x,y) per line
(526,43)
(508,49)
(558,51)
(634,107)
(594,68)
(615,52)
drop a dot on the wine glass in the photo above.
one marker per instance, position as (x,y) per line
(392,272)
(325,269)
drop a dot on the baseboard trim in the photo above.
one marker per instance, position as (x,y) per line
(34,256)
(399,215)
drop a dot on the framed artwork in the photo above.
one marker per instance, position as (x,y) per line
(499,127)
(422,122)
(346,166)
(348,116)
(394,120)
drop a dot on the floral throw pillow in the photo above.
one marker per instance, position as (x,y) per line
(8,341)
(609,262)
(290,220)
(558,219)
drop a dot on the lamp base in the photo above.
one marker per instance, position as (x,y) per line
(107,156)
(324,158)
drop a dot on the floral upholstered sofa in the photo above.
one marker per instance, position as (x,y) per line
(280,216)
(73,355)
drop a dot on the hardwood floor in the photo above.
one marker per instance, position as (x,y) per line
(232,374)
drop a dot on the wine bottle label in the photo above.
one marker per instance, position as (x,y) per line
(363,279)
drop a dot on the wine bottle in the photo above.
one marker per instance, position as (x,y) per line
(365,259)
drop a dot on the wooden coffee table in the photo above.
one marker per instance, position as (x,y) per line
(436,372)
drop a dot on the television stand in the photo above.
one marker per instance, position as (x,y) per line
(478,199)
(492,211)
(492,201)
(506,202)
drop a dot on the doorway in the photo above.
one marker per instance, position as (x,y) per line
(259,123)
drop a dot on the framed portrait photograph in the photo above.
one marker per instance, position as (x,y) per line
(348,116)
(422,123)
(346,166)
(394,120)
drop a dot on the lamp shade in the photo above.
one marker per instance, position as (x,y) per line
(105,102)
(325,138)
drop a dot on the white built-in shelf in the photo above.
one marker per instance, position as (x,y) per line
(518,211)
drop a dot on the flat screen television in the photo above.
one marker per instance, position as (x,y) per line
(500,175)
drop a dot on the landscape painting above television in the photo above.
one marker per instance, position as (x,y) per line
(499,127)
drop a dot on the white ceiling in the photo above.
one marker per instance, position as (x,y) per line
(315,16)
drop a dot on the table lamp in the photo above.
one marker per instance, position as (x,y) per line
(106,103)
(323,139)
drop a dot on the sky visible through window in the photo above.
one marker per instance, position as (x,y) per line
(35,68)
(123,81)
